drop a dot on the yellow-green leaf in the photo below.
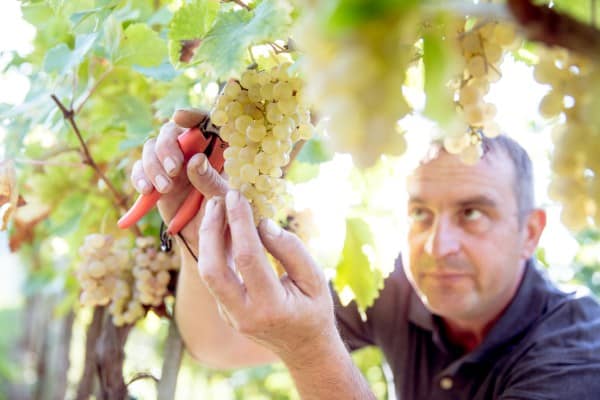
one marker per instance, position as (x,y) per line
(141,46)
(355,271)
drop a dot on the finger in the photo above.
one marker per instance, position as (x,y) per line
(247,250)
(189,117)
(294,257)
(154,169)
(167,149)
(205,178)
(139,180)
(219,278)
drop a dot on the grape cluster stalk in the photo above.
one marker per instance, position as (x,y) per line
(482,48)
(262,116)
(573,103)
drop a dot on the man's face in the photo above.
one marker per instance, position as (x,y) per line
(465,240)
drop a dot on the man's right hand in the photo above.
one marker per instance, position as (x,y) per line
(162,168)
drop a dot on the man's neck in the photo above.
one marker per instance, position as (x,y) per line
(468,334)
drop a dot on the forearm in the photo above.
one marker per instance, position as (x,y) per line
(331,376)
(196,312)
(208,338)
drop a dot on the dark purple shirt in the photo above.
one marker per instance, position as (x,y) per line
(546,345)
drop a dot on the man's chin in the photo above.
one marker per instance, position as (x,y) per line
(451,307)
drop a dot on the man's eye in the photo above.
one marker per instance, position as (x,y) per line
(418,215)
(472,214)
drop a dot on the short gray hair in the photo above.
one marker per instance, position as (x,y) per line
(522,167)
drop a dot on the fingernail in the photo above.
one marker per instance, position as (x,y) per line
(232,198)
(169,165)
(142,185)
(272,228)
(161,182)
(210,206)
(203,167)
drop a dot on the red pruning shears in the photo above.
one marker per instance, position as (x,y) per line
(202,139)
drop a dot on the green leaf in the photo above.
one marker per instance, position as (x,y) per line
(299,171)
(315,151)
(225,47)
(61,59)
(141,46)
(355,270)
(163,72)
(439,66)
(345,14)
(193,20)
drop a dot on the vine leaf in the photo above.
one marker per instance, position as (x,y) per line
(315,151)
(225,47)
(61,59)
(140,46)
(355,271)
(193,20)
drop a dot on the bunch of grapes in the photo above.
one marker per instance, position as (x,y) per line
(124,307)
(575,163)
(261,116)
(356,83)
(103,261)
(482,49)
(108,275)
(151,271)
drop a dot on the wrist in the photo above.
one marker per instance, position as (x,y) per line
(326,348)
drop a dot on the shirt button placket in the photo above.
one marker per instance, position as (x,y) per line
(446,383)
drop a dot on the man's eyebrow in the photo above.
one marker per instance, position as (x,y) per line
(482,201)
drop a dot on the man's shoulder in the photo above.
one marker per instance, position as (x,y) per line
(560,353)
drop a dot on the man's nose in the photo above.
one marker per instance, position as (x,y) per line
(443,239)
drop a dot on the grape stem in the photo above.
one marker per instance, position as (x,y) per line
(278,49)
(239,3)
(69,115)
(93,89)
(142,375)
(293,155)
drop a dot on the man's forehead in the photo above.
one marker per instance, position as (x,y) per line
(442,168)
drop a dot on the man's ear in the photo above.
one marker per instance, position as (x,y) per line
(533,227)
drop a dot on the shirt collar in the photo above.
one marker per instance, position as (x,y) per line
(524,309)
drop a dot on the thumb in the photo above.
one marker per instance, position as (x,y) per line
(189,117)
(294,257)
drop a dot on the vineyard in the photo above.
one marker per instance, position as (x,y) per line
(309,108)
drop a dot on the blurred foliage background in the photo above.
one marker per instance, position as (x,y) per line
(117,65)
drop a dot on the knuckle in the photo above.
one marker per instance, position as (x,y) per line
(245,259)
(210,276)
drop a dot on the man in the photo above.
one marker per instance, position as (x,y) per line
(466,316)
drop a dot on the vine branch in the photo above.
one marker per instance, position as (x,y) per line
(93,89)
(548,26)
(69,115)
